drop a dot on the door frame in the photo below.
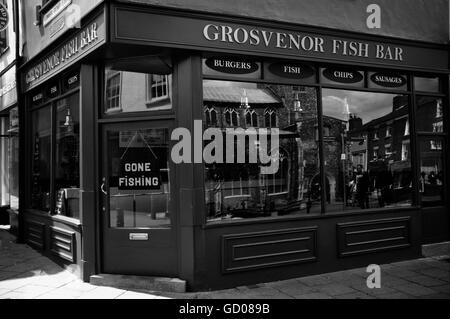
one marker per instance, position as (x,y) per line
(103,207)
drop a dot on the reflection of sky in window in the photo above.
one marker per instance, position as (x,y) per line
(366,105)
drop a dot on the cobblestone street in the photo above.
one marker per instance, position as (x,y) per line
(25,274)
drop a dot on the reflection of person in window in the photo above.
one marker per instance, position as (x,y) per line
(383,183)
(432,178)
(362,183)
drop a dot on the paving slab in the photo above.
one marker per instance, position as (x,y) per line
(355,295)
(436,273)
(337,290)
(315,296)
(427,281)
(415,290)
(102,293)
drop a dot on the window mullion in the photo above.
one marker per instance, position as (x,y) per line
(52,156)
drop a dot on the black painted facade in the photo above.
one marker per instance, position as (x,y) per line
(216,254)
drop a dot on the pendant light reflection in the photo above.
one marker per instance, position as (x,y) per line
(69,121)
(297,104)
(244,101)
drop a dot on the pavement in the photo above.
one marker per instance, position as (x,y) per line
(26,274)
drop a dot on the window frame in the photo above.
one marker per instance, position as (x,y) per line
(52,103)
(413,133)
(107,109)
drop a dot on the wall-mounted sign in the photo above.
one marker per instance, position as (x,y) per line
(246,39)
(290,70)
(232,65)
(72,81)
(343,75)
(66,54)
(55,11)
(4,17)
(8,89)
(139,170)
(388,79)
(53,90)
(37,98)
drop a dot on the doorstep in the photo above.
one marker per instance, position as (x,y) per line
(436,250)
(139,283)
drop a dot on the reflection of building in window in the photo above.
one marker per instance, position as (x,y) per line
(232,117)
(375,152)
(211,116)
(388,131)
(270,116)
(388,150)
(237,187)
(375,135)
(439,109)
(277,183)
(436,145)
(113,91)
(157,87)
(407,128)
(240,190)
(438,127)
(251,118)
(405,150)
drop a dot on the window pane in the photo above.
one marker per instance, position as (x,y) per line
(132,204)
(367,157)
(427,84)
(241,190)
(41,134)
(4,169)
(67,169)
(127,91)
(430,112)
(14,158)
(432,171)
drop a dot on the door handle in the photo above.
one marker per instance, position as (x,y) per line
(102,188)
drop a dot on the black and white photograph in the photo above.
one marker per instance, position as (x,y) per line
(221,154)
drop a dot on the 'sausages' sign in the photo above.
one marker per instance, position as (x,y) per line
(138,176)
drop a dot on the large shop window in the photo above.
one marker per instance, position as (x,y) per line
(432,144)
(67,165)
(367,155)
(41,158)
(13,155)
(128,92)
(236,190)
(4,169)
(55,161)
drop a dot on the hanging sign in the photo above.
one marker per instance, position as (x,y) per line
(343,75)
(232,65)
(138,170)
(297,71)
(4,17)
(389,80)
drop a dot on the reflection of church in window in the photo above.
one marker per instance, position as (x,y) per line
(240,189)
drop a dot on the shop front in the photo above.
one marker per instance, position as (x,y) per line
(9,149)
(142,126)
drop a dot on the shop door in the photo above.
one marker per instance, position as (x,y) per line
(137,200)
